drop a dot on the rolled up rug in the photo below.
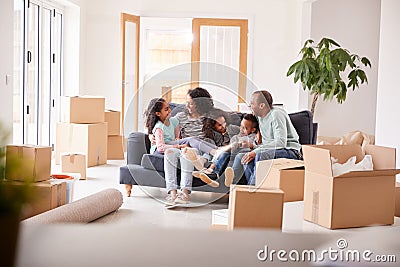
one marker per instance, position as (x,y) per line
(83,210)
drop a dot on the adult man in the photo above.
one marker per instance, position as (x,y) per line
(279,137)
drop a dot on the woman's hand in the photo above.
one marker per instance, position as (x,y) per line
(248,157)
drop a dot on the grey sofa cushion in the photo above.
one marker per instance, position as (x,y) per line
(303,123)
(153,162)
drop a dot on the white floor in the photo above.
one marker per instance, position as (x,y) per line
(145,207)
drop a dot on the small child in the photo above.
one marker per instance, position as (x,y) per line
(218,129)
(164,128)
(242,142)
(166,132)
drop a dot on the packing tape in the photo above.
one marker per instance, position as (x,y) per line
(315,207)
(72,158)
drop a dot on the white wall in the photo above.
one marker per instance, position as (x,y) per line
(355,26)
(6,62)
(275,41)
(387,118)
(101,52)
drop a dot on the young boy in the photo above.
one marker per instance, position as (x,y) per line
(247,138)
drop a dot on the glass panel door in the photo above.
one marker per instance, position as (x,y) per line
(45,82)
(56,71)
(219,59)
(32,76)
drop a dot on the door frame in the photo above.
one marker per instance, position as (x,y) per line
(133,19)
(243,25)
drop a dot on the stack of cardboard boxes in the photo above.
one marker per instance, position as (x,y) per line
(82,129)
(34,165)
(114,140)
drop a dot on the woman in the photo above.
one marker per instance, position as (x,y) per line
(198,104)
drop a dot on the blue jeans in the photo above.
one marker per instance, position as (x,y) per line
(249,170)
(222,162)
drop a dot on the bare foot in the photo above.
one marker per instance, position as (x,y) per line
(208,180)
(229,175)
(191,155)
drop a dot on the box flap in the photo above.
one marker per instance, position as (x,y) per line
(283,164)
(343,152)
(388,172)
(382,157)
(317,160)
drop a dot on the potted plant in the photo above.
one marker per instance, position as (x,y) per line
(321,68)
(12,200)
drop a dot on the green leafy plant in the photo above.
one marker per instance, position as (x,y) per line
(321,68)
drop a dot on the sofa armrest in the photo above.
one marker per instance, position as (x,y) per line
(138,144)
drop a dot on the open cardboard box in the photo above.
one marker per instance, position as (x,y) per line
(286,174)
(353,199)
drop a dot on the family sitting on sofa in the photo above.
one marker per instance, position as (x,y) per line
(201,134)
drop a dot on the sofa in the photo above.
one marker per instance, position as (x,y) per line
(147,169)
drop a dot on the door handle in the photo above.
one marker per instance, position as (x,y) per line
(29,57)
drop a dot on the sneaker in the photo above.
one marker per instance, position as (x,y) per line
(229,175)
(170,199)
(206,178)
(182,198)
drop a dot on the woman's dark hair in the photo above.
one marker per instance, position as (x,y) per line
(264,96)
(210,121)
(151,118)
(202,100)
(253,119)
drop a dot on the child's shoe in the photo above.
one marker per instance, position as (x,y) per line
(182,198)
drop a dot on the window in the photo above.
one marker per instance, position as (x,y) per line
(37,71)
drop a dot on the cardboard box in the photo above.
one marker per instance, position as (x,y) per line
(113,118)
(253,207)
(115,148)
(353,199)
(33,163)
(47,195)
(82,109)
(87,139)
(286,174)
(75,163)
(397,201)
